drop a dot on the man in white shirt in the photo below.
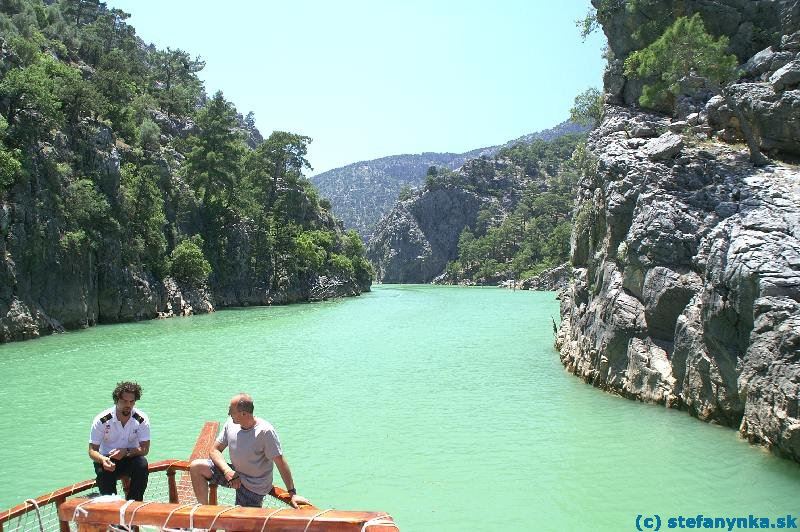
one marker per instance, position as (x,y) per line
(254,447)
(119,442)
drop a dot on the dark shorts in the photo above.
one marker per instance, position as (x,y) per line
(244,497)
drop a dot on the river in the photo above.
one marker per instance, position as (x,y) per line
(446,407)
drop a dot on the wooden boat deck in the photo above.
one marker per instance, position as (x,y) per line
(182,510)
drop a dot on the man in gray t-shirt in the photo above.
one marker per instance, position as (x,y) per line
(254,447)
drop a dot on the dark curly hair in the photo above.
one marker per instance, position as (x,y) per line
(127,387)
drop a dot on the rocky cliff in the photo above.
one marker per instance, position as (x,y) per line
(751,26)
(686,283)
(496,219)
(50,284)
(362,193)
(127,193)
(417,239)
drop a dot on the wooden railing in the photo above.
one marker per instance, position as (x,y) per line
(201,449)
(96,516)
(59,496)
(169,467)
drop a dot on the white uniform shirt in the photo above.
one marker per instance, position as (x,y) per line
(109,434)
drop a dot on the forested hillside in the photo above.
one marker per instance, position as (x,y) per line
(494,219)
(127,193)
(533,236)
(362,193)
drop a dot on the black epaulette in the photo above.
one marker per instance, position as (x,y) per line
(105,418)
(137,417)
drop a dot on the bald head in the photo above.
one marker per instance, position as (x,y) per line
(241,410)
(243,403)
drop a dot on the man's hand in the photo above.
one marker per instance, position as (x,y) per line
(118,454)
(233,479)
(297,501)
(107,464)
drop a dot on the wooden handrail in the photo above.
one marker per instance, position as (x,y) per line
(25,507)
(60,495)
(63,493)
(202,449)
(99,514)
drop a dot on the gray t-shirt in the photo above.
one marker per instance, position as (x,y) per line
(252,452)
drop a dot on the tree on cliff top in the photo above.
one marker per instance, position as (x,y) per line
(684,48)
(174,80)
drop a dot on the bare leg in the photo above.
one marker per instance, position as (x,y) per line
(201,474)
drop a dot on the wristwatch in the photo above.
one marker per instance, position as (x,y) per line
(292,491)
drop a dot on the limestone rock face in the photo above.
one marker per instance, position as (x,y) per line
(325,287)
(185,300)
(774,116)
(419,236)
(769,101)
(767,60)
(555,279)
(666,146)
(686,286)
(786,77)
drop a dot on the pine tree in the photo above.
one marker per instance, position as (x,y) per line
(175,80)
(684,48)
(214,162)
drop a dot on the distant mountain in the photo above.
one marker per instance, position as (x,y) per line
(362,193)
(496,218)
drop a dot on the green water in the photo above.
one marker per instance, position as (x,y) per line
(446,407)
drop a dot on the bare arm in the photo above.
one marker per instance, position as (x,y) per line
(130,452)
(288,481)
(216,456)
(142,450)
(105,461)
(94,453)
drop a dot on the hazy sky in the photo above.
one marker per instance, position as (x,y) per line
(366,79)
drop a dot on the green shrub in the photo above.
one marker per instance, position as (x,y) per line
(341,264)
(88,209)
(533,272)
(149,135)
(9,162)
(187,262)
(406,191)
(74,241)
(309,251)
(364,272)
(26,49)
(141,104)
(352,244)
